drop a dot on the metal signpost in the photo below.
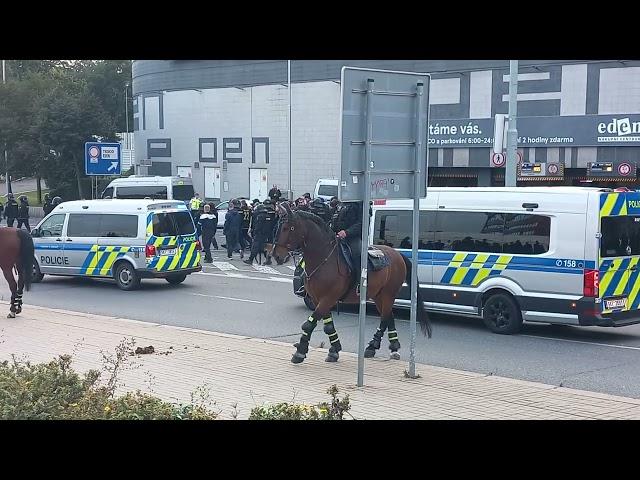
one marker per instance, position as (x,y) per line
(384,117)
(101,159)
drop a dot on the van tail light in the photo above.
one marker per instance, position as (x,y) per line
(150,250)
(591,283)
(198,245)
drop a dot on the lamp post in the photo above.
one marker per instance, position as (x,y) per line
(6,161)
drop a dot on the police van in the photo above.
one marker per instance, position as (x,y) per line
(156,188)
(126,240)
(560,255)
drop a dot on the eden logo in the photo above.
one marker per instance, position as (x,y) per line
(619,126)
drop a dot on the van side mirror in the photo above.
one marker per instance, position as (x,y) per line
(35,232)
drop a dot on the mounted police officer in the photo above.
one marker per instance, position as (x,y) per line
(262,226)
(348,228)
(11,210)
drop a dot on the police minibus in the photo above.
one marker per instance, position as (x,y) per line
(156,188)
(126,240)
(560,255)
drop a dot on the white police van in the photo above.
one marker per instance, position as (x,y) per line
(126,240)
(156,188)
(561,255)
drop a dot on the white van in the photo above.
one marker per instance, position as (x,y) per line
(156,188)
(126,240)
(326,188)
(562,255)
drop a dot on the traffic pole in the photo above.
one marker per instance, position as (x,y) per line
(512,133)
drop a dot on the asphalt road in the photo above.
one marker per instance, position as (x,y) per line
(235,298)
(26,185)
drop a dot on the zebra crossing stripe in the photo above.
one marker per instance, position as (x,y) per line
(225,266)
(265,269)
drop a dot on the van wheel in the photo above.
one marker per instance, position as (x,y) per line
(176,279)
(36,274)
(502,315)
(126,276)
(309,303)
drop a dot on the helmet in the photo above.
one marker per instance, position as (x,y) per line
(23,198)
(47,197)
(317,202)
(10,196)
(267,202)
(56,200)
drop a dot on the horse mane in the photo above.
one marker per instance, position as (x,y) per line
(315,219)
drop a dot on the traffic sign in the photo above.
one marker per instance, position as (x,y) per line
(624,169)
(498,159)
(102,158)
(552,168)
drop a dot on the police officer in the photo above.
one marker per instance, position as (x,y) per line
(48,206)
(232,229)
(245,211)
(334,206)
(208,225)
(56,201)
(321,209)
(263,224)
(23,213)
(348,227)
(194,205)
(11,210)
(1,210)
(275,194)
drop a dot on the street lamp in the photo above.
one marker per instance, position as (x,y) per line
(126,107)
(6,160)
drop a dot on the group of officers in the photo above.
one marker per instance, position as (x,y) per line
(19,210)
(255,225)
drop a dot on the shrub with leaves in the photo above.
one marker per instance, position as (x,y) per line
(293,411)
(54,391)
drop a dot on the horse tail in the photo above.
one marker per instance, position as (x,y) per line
(423,318)
(26,257)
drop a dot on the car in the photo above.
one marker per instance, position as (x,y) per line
(157,188)
(223,208)
(326,189)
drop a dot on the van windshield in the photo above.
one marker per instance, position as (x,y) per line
(172,224)
(620,236)
(155,192)
(328,190)
(183,192)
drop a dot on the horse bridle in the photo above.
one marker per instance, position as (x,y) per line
(283,220)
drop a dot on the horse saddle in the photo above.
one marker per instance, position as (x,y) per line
(377,260)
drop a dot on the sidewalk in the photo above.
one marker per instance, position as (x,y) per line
(251,371)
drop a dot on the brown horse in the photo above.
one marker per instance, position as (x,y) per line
(16,252)
(329,281)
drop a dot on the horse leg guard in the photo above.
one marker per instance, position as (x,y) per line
(12,307)
(374,344)
(18,303)
(394,345)
(302,347)
(335,348)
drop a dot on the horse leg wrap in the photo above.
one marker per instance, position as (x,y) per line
(377,337)
(14,303)
(18,302)
(307,330)
(394,344)
(330,330)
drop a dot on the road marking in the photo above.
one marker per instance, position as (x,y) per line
(246,277)
(265,269)
(225,298)
(627,347)
(224,266)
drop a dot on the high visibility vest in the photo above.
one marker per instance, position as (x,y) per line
(195,204)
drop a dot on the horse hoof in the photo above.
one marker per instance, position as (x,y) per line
(394,356)
(369,352)
(11,315)
(332,357)
(298,357)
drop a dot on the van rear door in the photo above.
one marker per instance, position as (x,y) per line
(619,252)
(173,236)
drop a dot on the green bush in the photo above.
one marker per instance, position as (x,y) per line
(292,411)
(54,391)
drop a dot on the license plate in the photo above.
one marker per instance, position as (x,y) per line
(168,251)
(615,304)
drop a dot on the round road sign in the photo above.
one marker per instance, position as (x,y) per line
(552,168)
(94,151)
(498,159)
(624,169)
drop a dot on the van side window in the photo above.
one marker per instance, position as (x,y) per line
(156,192)
(83,225)
(394,229)
(108,193)
(526,234)
(469,231)
(52,226)
(121,226)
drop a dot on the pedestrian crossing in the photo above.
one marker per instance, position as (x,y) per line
(235,267)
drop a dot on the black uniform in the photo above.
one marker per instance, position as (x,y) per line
(47,208)
(263,224)
(275,194)
(23,215)
(349,219)
(321,209)
(245,239)
(11,212)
